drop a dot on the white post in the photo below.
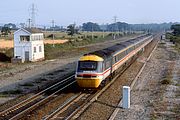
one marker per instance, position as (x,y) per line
(126,97)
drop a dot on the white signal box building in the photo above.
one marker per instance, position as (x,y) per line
(28,44)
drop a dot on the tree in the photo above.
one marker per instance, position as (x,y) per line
(71,29)
(5,31)
(176,29)
(11,26)
(89,26)
(22,25)
(119,26)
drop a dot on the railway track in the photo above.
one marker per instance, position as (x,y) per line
(112,117)
(76,106)
(73,107)
(22,108)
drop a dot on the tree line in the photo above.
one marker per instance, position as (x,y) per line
(91,26)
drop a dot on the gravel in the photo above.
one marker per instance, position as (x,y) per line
(150,99)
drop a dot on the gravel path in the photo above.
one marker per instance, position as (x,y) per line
(150,99)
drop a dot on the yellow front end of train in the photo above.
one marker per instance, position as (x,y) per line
(88,83)
(89,71)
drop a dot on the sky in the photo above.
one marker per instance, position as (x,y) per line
(65,12)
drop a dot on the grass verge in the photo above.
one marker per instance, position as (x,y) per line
(12,92)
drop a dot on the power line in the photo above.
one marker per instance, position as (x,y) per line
(115,19)
(33,11)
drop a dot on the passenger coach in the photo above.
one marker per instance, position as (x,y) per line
(94,68)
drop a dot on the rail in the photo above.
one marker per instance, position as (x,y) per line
(37,97)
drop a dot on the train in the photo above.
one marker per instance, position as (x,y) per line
(95,67)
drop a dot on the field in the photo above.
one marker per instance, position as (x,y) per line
(62,42)
(63,35)
(59,38)
(6,43)
(10,44)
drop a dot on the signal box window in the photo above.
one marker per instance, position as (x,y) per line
(24,38)
(40,49)
(34,49)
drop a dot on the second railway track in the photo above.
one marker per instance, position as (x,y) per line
(28,105)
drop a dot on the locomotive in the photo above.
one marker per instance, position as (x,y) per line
(95,67)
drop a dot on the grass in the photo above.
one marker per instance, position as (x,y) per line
(167,77)
(63,35)
(161,45)
(12,92)
(53,52)
(175,40)
(3,95)
(153,117)
(27,85)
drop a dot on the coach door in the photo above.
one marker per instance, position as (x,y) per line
(26,56)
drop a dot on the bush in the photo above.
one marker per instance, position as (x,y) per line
(50,36)
(166,81)
(4,57)
(95,36)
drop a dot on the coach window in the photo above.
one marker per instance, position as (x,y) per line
(108,64)
(116,58)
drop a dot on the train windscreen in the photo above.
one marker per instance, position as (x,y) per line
(87,65)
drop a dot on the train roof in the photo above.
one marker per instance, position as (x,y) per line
(108,52)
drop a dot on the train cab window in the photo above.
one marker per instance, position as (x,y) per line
(134,47)
(87,65)
(100,66)
(120,56)
(127,51)
(130,49)
(137,46)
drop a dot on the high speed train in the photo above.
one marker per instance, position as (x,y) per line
(93,68)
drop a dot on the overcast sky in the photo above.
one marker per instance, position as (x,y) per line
(65,12)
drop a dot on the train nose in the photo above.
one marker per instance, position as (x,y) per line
(88,82)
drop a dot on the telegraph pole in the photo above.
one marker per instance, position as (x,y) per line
(103,30)
(29,23)
(53,25)
(92,31)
